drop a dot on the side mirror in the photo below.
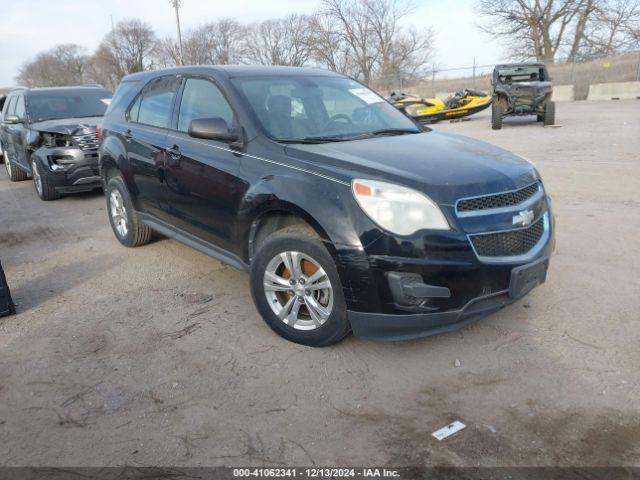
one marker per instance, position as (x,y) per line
(12,119)
(214,128)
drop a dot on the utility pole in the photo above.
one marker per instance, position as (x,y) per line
(176,5)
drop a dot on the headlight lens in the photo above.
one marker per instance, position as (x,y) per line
(398,209)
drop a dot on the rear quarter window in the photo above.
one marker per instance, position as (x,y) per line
(121,95)
(154,105)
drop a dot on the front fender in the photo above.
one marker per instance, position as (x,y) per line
(334,218)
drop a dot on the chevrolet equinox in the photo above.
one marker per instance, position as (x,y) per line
(347,215)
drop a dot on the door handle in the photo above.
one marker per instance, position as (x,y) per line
(174,152)
(127,135)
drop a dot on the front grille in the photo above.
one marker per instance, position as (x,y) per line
(87,142)
(507,244)
(498,200)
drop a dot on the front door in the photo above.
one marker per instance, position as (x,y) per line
(19,134)
(202,183)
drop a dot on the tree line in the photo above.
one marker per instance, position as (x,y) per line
(366,39)
(571,30)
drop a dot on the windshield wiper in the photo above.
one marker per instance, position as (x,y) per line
(313,139)
(391,131)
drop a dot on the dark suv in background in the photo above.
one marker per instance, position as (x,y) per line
(347,214)
(51,135)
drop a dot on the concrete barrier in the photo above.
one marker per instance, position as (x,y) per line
(614,91)
(563,93)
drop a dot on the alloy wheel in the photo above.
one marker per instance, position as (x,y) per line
(298,290)
(37,178)
(7,164)
(118,213)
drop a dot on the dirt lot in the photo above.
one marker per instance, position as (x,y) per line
(156,355)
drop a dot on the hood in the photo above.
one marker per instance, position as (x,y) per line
(68,126)
(445,166)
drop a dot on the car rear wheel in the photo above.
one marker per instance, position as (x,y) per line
(122,216)
(44,189)
(297,290)
(496,115)
(549,113)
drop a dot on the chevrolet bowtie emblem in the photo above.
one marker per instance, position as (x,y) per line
(523,218)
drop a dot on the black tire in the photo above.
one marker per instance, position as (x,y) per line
(539,118)
(15,173)
(496,115)
(300,238)
(549,113)
(46,191)
(137,234)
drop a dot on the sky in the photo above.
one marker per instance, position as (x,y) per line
(28,27)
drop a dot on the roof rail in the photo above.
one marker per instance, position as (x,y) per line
(93,85)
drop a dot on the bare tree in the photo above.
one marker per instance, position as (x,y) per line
(282,41)
(329,47)
(62,65)
(612,28)
(127,49)
(535,28)
(548,29)
(215,43)
(371,38)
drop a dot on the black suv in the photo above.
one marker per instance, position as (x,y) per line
(51,135)
(347,214)
(522,89)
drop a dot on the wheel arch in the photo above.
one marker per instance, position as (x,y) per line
(277,218)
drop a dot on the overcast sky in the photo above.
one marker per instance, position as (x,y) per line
(30,26)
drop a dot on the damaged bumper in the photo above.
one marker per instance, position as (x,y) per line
(69,169)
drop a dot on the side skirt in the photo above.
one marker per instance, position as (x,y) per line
(189,240)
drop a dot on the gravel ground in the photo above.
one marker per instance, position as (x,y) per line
(157,356)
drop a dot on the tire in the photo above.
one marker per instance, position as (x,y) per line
(539,118)
(549,113)
(43,187)
(123,218)
(308,253)
(16,174)
(496,115)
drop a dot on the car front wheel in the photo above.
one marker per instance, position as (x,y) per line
(44,189)
(16,174)
(297,290)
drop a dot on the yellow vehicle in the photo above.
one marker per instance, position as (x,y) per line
(427,110)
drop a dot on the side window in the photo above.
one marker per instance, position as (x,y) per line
(132,115)
(156,102)
(20,110)
(10,106)
(202,99)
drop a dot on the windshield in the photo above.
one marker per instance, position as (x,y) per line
(308,108)
(70,104)
(521,74)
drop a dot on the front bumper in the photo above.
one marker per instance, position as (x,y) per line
(387,326)
(78,176)
(411,287)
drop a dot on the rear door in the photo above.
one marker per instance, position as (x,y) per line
(202,183)
(148,121)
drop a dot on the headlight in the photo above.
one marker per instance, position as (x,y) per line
(398,209)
